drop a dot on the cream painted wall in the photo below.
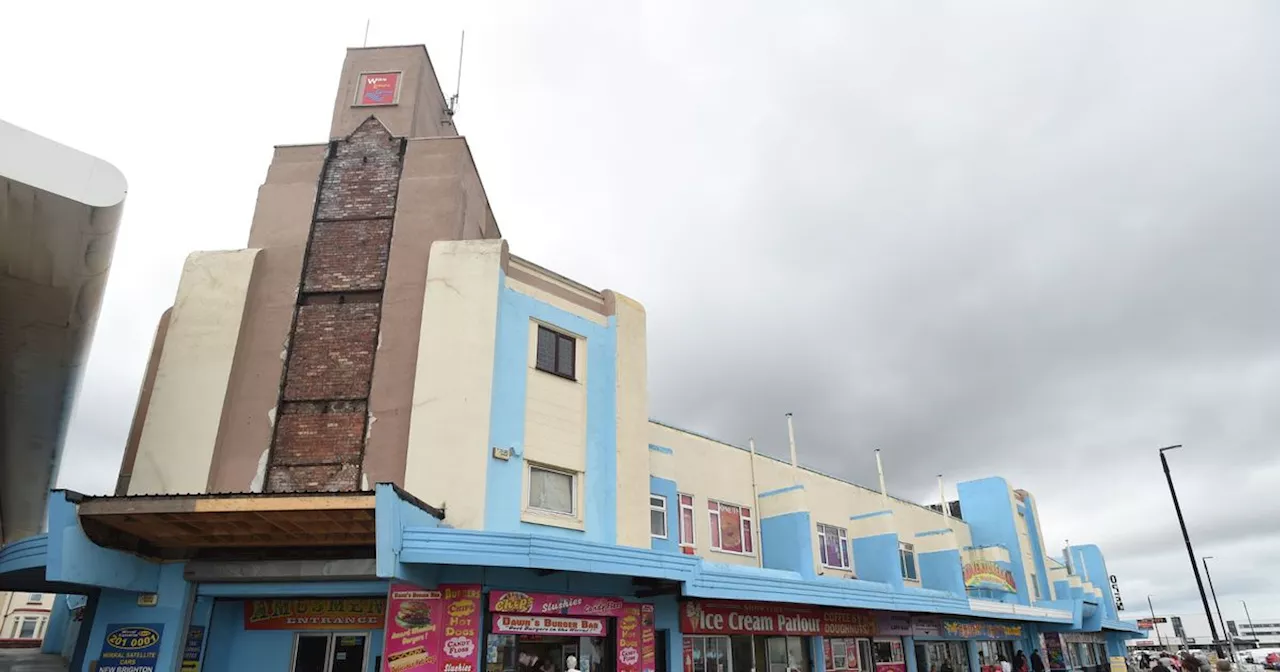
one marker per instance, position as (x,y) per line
(176,447)
(448,448)
(555,417)
(710,468)
(633,422)
(559,302)
(1024,546)
(14,607)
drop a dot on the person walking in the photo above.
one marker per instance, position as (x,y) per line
(1005,665)
(1020,662)
(1037,663)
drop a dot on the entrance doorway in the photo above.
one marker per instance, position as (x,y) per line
(548,653)
(942,657)
(330,652)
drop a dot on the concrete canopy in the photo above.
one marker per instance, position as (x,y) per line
(59,211)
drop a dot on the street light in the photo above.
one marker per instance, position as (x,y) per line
(1154,625)
(1252,632)
(1213,592)
(1195,567)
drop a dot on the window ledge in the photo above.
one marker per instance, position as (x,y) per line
(744,554)
(536,517)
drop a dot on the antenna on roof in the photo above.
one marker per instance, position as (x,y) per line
(366,32)
(452,107)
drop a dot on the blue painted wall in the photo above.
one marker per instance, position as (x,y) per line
(941,570)
(786,542)
(118,607)
(876,558)
(231,648)
(504,486)
(989,512)
(55,633)
(1037,549)
(1087,560)
(662,487)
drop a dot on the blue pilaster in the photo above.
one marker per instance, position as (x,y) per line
(876,559)
(786,542)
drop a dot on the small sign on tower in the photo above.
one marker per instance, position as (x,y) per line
(378,88)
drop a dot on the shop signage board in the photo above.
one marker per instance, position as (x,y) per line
(1115,591)
(713,617)
(515,602)
(340,613)
(379,88)
(534,624)
(132,647)
(648,640)
(434,630)
(191,650)
(926,626)
(630,639)
(897,625)
(958,629)
(1053,651)
(1149,623)
(990,575)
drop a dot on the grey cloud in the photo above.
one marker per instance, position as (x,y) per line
(1028,240)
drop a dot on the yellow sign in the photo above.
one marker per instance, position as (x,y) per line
(1118,664)
(148,599)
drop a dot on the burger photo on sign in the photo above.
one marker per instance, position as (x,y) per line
(413,615)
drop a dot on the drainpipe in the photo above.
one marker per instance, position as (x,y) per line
(755,502)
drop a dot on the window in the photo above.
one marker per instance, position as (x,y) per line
(35,598)
(556,352)
(888,650)
(686,520)
(28,628)
(326,652)
(658,516)
(844,654)
(551,490)
(786,654)
(710,654)
(833,547)
(1035,586)
(907,553)
(730,527)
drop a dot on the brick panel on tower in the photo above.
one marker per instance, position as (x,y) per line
(322,419)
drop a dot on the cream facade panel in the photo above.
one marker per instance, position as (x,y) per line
(448,449)
(632,422)
(555,417)
(708,469)
(176,447)
(556,301)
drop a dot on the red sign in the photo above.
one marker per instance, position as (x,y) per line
(515,602)
(432,630)
(648,640)
(688,654)
(378,88)
(701,617)
(519,624)
(630,639)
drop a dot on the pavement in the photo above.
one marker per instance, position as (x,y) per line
(30,660)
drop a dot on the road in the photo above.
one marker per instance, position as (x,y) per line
(30,660)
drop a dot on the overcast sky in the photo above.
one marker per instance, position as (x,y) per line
(1036,240)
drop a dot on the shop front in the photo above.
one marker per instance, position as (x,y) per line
(960,645)
(541,632)
(1080,651)
(721,636)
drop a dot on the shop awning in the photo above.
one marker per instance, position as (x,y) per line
(244,525)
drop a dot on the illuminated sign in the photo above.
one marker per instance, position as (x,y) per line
(987,574)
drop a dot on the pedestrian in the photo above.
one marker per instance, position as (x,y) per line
(1020,662)
(1037,663)
(1146,661)
(1005,665)
(1224,665)
(1159,666)
(947,666)
(1189,662)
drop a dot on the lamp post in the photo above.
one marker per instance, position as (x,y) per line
(1252,632)
(1195,567)
(1225,632)
(1155,626)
